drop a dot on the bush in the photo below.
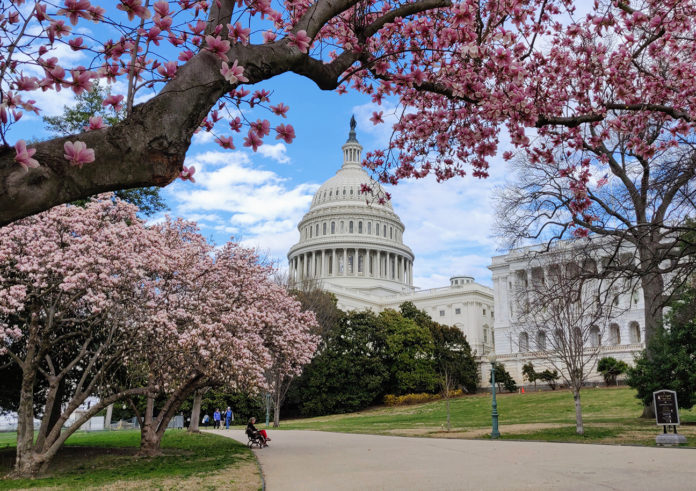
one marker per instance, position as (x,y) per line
(611,368)
(549,377)
(409,399)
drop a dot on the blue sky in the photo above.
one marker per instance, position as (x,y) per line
(259,197)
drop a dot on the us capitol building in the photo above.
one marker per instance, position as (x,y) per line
(355,250)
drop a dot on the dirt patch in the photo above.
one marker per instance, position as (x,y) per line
(67,456)
(437,432)
(242,476)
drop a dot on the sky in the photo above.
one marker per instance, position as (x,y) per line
(258,198)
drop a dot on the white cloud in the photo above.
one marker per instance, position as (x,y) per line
(277,152)
(239,199)
(202,138)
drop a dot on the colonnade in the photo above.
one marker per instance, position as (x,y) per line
(351,261)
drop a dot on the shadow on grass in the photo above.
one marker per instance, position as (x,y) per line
(93,459)
(592,434)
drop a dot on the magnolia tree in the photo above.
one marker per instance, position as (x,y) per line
(213,318)
(68,293)
(462,72)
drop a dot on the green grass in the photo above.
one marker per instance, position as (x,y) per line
(611,415)
(97,459)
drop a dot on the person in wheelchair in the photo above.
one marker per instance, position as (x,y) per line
(259,437)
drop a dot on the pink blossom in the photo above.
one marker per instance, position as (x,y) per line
(236,31)
(377,118)
(187,173)
(134,8)
(77,153)
(285,132)
(261,127)
(225,142)
(24,155)
(74,9)
(300,40)
(280,109)
(234,73)
(269,37)
(114,101)
(168,69)
(95,123)
(252,140)
(219,47)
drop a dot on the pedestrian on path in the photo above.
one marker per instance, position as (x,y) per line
(229,417)
(216,419)
(206,420)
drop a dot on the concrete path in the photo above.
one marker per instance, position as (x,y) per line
(313,460)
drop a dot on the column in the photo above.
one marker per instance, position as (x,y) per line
(323,263)
(345,262)
(334,262)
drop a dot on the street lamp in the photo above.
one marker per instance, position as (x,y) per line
(494,413)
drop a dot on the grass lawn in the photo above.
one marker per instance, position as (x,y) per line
(611,415)
(106,460)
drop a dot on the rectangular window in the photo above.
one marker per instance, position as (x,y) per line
(442,313)
(359,227)
(323,229)
(484,311)
(458,311)
(333,227)
(350,227)
(369,227)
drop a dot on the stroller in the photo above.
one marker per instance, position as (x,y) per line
(255,438)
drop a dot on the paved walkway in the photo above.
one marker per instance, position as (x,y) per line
(313,460)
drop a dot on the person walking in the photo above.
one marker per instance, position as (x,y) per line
(216,419)
(206,420)
(229,417)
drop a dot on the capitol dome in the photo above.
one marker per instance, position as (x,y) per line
(348,242)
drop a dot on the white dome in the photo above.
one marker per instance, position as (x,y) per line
(347,236)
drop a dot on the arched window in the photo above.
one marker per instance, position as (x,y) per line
(595,337)
(316,230)
(541,341)
(634,332)
(350,227)
(343,227)
(333,227)
(369,227)
(376,228)
(323,229)
(310,231)
(344,191)
(384,229)
(524,342)
(391,232)
(359,227)
(614,334)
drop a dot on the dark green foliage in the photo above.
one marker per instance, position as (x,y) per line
(74,120)
(347,374)
(529,373)
(503,379)
(610,368)
(244,406)
(408,353)
(669,360)
(365,356)
(451,350)
(550,377)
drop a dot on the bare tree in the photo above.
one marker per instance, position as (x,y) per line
(637,212)
(562,317)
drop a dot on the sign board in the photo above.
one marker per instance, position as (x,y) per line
(666,411)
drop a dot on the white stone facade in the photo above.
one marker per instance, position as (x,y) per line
(355,250)
(623,336)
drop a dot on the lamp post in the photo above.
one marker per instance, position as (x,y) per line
(494,413)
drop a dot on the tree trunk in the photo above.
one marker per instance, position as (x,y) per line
(149,442)
(578,413)
(25,465)
(196,412)
(648,412)
(448,413)
(109,414)
(653,289)
(276,407)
